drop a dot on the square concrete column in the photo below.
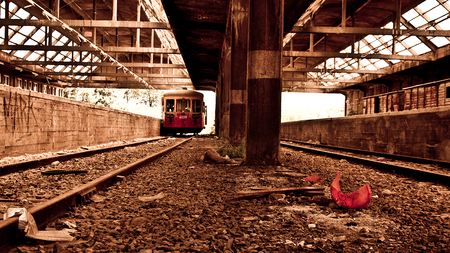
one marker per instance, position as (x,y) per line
(224,88)
(239,49)
(264,82)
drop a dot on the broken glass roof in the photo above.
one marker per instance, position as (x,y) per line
(429,15)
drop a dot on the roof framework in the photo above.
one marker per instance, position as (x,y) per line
(72,50)
(329,44)
(419,35)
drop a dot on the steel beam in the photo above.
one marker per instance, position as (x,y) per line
(356,71)
(131,85)
(87,23)
(361,56)
(102,64)
(317,80)
(368,30)
(142,75)
(92,49)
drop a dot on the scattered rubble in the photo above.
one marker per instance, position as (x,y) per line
(200,212)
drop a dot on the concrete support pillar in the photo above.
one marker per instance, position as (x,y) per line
(223,117)
(240,10)
(264,82)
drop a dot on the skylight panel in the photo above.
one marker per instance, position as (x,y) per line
(371,67)
(22,14)
(410,14)
(412,41)
(17,38)
(381,64)
(405,52)
(33,57)
(421,49)
(64,39)
(394,61)
(364,49)
(440,41)
(370,38)
(50,66)
(427,5)
(385,51)
(2,31)
(437,12)
(21,53)
(364,62)
(445,25)
(389,25)
(59,57)
(56,34)
(59,43)
(77,69)
(12,6)
(39,35)
(26,30)
(375,44)
(419,21)
(399,47)
(50,54)
(59,68)
(67,70)
(386,38)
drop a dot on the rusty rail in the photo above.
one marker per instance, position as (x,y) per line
(419,174)
(56,207)
(15,167)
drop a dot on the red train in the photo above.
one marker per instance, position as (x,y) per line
(183,112)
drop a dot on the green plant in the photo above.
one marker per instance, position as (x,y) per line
(230,150)
(352,112)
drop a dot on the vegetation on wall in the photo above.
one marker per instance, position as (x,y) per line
(141,101)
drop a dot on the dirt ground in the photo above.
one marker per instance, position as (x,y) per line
(182,204)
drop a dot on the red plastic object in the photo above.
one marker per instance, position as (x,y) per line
(314,179)
(358,199)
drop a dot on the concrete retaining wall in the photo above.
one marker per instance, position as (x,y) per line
(32,122)
(422,133)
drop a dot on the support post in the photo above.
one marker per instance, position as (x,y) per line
(6,37)
(344,13)
(138,31)
(239,49)
(224,84)
(264,82)
(114,10)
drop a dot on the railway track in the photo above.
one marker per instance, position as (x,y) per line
(367,158)
(20,166)
(49,210)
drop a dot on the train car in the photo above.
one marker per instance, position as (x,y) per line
(183,112)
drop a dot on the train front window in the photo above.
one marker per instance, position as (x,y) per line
(183,105)
(197,105)
(170,103)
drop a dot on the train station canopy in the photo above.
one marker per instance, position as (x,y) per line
(177,44)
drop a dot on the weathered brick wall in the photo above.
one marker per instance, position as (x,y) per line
(421,133)
(32,122)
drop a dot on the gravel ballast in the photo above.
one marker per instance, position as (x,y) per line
(181,204)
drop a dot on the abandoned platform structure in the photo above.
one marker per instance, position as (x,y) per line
(389,58)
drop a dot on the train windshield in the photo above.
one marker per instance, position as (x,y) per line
(196,105)
(183,105)
(170,103)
